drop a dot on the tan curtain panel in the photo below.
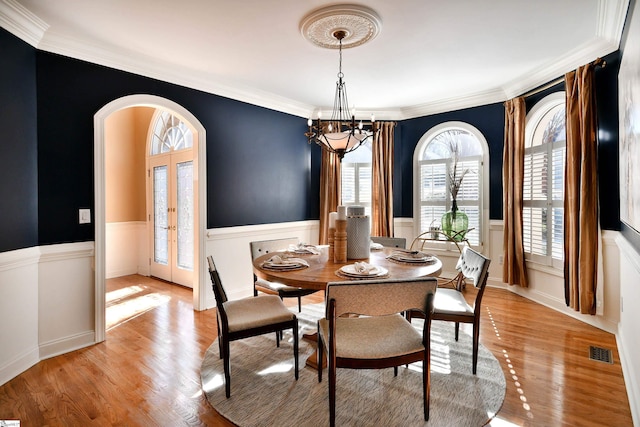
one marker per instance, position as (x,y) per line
(581,191)
(514,268)
(330,180)
(382,181)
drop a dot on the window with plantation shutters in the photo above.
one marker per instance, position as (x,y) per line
(543,193)
(433,163)
(356,178)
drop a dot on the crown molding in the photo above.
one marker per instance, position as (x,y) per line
(150,67)
(611,18)
(20,22)
(28,27)
(588,52)
(453,104)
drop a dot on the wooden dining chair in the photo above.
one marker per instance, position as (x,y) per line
(249,317)
(450,304)
(262,247)
(391,242)
(381,337)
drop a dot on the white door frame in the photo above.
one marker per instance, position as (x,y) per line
(199,157)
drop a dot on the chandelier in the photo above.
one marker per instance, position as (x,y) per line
(341,134)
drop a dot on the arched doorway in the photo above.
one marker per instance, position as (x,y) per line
(199,182)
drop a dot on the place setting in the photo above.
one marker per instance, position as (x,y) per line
(284,263)
(411,257)
(362,270)
(304,249)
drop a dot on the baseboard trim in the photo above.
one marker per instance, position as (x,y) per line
(18,365)
(66,344)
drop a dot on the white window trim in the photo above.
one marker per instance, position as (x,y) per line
(537,112)
(484,202)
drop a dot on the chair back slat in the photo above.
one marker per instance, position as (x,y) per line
(381,297)
(261,247)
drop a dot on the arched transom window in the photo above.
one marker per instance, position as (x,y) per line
(170,134)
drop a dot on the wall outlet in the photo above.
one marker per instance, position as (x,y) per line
(85,216)
(501,259)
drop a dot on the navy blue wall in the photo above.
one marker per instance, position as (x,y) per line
(258,162)
(260,168)
(488,119)
(18,145)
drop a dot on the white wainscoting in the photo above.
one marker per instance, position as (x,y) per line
(628,329)
(126,249)
(66,302)
(19,308)
(47,293)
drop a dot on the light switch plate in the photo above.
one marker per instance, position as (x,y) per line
(85,216)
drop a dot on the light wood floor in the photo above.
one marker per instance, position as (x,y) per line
(147,371)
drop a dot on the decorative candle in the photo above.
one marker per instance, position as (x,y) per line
(342,212)
(332,219)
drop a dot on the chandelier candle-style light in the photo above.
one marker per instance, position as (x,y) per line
(348,136)
(329,27)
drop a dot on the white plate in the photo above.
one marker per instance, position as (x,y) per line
(408,257)
(283,266)
(350,270)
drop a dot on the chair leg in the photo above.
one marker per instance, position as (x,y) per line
(299,304)
(278,338)
(395,371)
(220,349)
(319,356)
(227,369)
(476,338)
(426,383)
(457,330)
(294,330)
(332,391)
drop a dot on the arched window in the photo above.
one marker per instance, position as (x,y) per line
(543,196)
(433,163)
(170,134)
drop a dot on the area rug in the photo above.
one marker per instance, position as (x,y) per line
(264,391)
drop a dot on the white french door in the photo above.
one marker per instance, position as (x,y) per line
(171,217)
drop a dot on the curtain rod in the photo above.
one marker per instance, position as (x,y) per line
(598,62)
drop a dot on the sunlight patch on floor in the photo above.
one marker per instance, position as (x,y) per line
(277,368)
(498,422)
(118,313)
(124,293)
(214,383)
(440,355)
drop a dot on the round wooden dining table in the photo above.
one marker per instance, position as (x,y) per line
(323,270)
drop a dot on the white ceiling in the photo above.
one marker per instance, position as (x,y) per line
(430,55)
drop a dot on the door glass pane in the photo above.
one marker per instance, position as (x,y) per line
(185,215)
(160,215)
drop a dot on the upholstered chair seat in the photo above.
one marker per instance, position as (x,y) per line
(373,337)
(256,312)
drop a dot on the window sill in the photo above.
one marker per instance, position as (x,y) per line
(533,265)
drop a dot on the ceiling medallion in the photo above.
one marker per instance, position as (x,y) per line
(359,24)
